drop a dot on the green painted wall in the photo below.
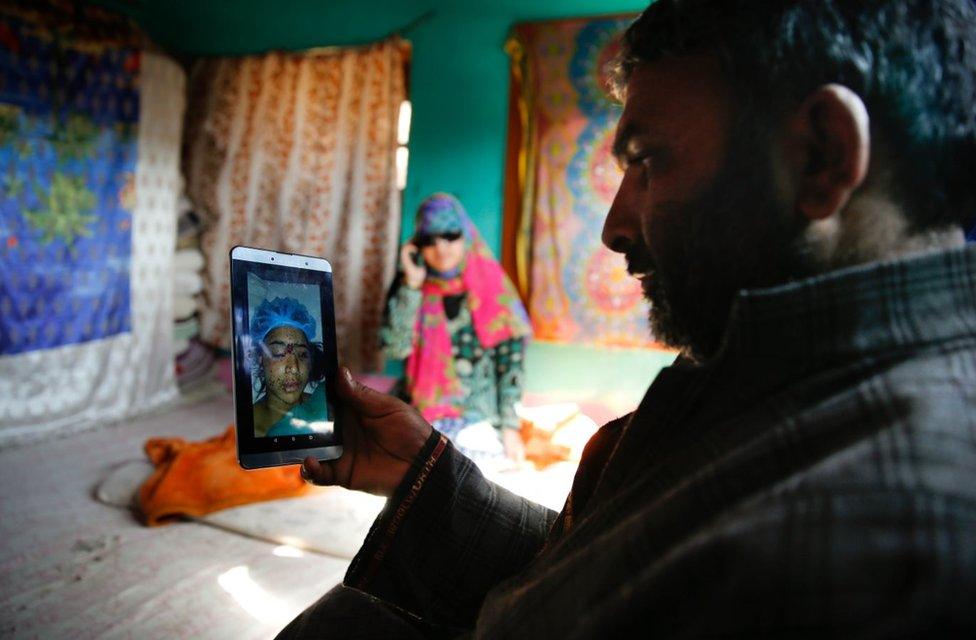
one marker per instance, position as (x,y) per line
(459,76)
(459,87)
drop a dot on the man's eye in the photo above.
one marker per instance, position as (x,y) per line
(644,164)
(636,159)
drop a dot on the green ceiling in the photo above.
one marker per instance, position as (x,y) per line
(211,27)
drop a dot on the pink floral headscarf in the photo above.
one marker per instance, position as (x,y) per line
(496,311)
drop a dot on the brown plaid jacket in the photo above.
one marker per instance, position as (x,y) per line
(817,477)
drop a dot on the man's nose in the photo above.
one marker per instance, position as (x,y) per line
(622,229)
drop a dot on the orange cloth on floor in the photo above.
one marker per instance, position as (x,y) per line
(196,478)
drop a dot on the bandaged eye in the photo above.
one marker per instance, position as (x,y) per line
(279,350)
(431,240)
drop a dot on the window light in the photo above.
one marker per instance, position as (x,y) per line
(402,156)
(403,122)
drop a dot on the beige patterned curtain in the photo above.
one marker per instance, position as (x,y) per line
(295,152)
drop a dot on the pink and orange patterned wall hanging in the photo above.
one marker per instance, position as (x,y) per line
(576,289)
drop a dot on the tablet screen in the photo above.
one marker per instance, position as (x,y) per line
(285,356)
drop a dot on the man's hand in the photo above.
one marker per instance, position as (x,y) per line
(381,437)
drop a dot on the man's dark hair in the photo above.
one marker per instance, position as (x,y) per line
(913,62)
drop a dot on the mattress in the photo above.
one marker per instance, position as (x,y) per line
(72,567)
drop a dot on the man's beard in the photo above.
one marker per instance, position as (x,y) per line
(736,234)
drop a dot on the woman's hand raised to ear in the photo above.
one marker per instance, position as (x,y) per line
(413,274)
(381,437)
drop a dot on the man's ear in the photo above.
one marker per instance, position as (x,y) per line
(829,143)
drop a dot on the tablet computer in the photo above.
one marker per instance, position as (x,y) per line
(284,354)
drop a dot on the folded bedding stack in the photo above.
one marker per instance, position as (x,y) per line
(194,359)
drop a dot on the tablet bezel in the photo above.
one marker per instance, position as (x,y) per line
(257,453)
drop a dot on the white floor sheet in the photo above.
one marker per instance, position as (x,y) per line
(74,567)
(71,567)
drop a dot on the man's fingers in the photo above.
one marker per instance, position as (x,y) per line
(364,399)
(346,385)
(317,473)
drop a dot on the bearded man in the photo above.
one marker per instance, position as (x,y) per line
(797,179)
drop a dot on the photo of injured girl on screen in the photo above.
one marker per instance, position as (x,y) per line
(287,359)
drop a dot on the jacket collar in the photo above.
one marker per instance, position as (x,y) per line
(859,311)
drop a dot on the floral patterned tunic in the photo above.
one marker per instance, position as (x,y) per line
(491,378)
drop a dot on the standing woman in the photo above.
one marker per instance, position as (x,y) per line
(455,317)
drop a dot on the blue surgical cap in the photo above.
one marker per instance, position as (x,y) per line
(281,312)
